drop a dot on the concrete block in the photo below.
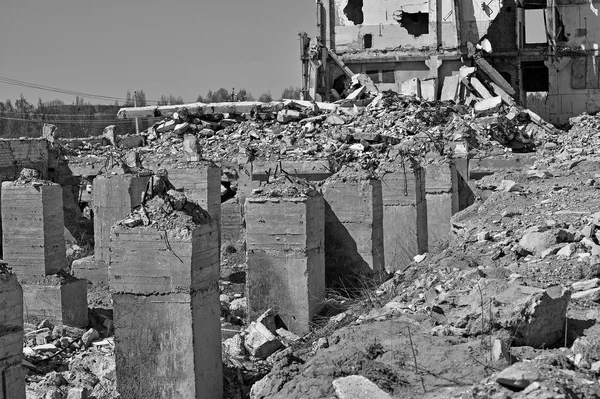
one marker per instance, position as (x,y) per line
(286,259)
(95,271)
(33,229)
(353,230)
(61,300)
(404,215)
(168,346)
(441,187)
(231,220)
(114,197)
(201,183)
(146,260)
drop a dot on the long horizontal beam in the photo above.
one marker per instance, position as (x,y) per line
(241,107)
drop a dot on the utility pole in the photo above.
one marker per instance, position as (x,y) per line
(137,126)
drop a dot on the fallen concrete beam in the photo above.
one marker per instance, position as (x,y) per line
(216,108)
(480,88)
(494,75)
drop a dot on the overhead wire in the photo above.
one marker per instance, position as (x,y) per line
(21,83)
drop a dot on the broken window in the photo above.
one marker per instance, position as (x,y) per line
(388,77)
(368,40)
(535,76)
(354,12)
(374,75)
(535,26)
(416,24)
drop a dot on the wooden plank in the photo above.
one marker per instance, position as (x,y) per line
(494,75)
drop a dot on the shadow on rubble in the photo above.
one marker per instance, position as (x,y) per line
(346,272)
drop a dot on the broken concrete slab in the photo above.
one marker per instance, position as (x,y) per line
(488,104)
(535,317)
(357,386)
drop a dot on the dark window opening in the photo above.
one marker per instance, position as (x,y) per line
(507,76)
(354,12)
(388,77)
(416,24)
(368,40)
(374,75)
(535,76)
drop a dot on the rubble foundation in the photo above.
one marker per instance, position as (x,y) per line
(286,258)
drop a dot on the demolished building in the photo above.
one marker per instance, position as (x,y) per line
(547,50)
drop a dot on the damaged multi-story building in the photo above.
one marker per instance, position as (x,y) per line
(547,50)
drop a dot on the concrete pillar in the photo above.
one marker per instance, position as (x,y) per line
(201,182)
(353,230)
(404,214)
(165,294)
(34,247)
(441,187)
(114,197)
(33,228)
(285,255)
(12,379)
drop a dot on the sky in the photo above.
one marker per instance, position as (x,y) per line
(179,47)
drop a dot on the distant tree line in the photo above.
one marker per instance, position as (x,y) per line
(224,95)
(83,119)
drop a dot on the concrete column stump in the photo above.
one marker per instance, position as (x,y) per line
(34,247)
(285,254)
(353,230)
(404,214)
(12,378)
(441,187)
(163,280)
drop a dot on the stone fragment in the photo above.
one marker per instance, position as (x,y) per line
(238,306)
(518,376)
(78,393)
(588,295)
(536,243)
(357,387)
(89,336)
(588,347)
(234,346)
(586,284)
(567,251)
(287,336)
(260,342)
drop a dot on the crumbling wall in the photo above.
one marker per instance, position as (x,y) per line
(476,19)
(23,153)
(581,22)
(391,24)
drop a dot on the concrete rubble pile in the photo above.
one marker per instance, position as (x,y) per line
(64,361)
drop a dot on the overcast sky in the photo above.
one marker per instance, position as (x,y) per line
(179,47)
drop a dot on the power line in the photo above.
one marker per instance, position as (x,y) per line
(64,121)
(22,83)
